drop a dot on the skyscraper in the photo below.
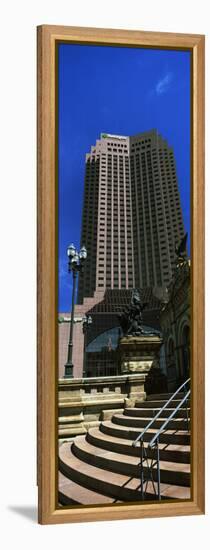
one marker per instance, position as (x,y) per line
(132,216)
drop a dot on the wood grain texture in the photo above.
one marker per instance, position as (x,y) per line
(47,278)
(198,334)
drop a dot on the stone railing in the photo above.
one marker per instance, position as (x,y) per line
(85,402)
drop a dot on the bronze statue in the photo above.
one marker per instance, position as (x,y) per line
(131,318)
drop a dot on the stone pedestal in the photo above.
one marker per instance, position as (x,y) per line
(140,355)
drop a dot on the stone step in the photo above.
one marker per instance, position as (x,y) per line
(117,486)
(124,432)
(157,403)
(71,430)
(65,494)
(73,493)
(178,474)
(170,452)
(141,412)
(172,491)
(166,396)
(130,421)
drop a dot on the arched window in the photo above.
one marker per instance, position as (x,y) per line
(186,336)
(171,348)
(107,340)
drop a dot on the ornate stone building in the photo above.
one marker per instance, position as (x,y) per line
(175,324)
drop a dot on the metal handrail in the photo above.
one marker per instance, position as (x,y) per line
(141,435)
(162,428)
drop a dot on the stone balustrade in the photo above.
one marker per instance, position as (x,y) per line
(84,402)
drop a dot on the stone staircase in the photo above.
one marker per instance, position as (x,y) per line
(102,467)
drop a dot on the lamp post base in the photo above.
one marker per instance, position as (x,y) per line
(68,370)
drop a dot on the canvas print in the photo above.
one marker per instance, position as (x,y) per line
(124,228)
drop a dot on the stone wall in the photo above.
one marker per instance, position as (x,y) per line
(85,402)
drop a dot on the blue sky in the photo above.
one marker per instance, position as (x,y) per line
(120,91)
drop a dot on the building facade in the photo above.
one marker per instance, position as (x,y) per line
(175,325)
(132,218)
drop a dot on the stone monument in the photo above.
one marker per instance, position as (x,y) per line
(138,348)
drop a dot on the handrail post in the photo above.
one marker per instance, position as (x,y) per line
(142,471)
(158,468)
(159,413)
(163,427)
(187,416)
(154,442)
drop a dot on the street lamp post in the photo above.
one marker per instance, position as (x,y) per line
(75,263)
(87,321)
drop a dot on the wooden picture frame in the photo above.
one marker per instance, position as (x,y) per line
(48,37)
